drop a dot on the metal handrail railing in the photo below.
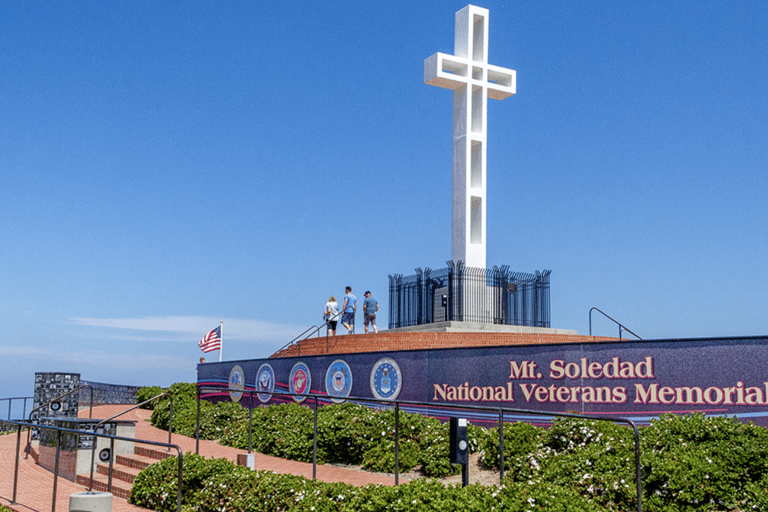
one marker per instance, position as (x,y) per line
(10,403)
(59,431)
(111,450)
(310,332)
(397,403)
(612,320)
(90,410)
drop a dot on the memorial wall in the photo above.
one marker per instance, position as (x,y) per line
(634,379)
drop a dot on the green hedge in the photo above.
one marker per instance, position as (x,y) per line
(216,484)
(689,462)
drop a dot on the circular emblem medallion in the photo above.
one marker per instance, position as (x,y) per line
(104,455)
(386,379)
(299,381)
(236,381)
(338,380)
(265,381)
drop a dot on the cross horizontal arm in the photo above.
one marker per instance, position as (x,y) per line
(451,72)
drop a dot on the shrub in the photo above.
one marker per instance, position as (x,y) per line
(156,487)
(592,458)
(704,463)
(344,432)
(145,393)
(184,409)
(217,484)
(520,439)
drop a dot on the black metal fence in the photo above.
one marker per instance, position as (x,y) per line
(466,294)
(59,445)
(450,410)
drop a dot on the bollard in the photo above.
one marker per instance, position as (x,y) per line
(246,459)
(90,502)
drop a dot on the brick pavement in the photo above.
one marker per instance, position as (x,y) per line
(35,484)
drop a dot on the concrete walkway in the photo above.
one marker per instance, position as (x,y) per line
(35,485)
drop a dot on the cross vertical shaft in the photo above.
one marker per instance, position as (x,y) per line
(473,81)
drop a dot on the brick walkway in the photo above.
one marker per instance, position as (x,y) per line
(35,484)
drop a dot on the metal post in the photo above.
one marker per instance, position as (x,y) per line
(397,443)
(197,427)
(639,483)
(314,442)
(111,459)
(250,420)
(501,445)
(16,468)
(56,469)
(170,422)
(93,458)
(178,494)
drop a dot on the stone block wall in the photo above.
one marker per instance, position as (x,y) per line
(108,394)
(50,385)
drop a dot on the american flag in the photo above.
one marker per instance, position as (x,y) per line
(212,341)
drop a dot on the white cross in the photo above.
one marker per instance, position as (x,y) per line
(473,81)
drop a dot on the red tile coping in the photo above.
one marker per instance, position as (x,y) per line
(391,341)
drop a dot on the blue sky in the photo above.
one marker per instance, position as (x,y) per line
(168,165)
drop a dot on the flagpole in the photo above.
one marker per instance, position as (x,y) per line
(221,335)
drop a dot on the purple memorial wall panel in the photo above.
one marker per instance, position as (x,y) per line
(638,380)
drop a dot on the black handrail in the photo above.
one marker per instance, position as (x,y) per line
(398,403)
(10,403)
(90,410)
(112,448)
(612,320)
(312,330)
(59,431)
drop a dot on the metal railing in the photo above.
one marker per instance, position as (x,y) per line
(397,403)
(10,404)
(467,294)
(49,402)
(59,431)
(309,333)
(621,327)
(112,448)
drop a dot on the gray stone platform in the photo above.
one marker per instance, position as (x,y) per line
(479,327)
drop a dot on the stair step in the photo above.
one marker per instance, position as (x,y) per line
(100,483)
(124,471)
(119,472)
(152,453)
(134,461)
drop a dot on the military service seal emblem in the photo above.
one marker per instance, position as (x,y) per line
(300,381)
(338,380)
(265,382)
(386,379)
(237,382)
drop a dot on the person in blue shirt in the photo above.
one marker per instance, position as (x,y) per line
(348,310)
(370,307)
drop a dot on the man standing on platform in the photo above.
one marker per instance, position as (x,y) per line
(349,310)
(370,307)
